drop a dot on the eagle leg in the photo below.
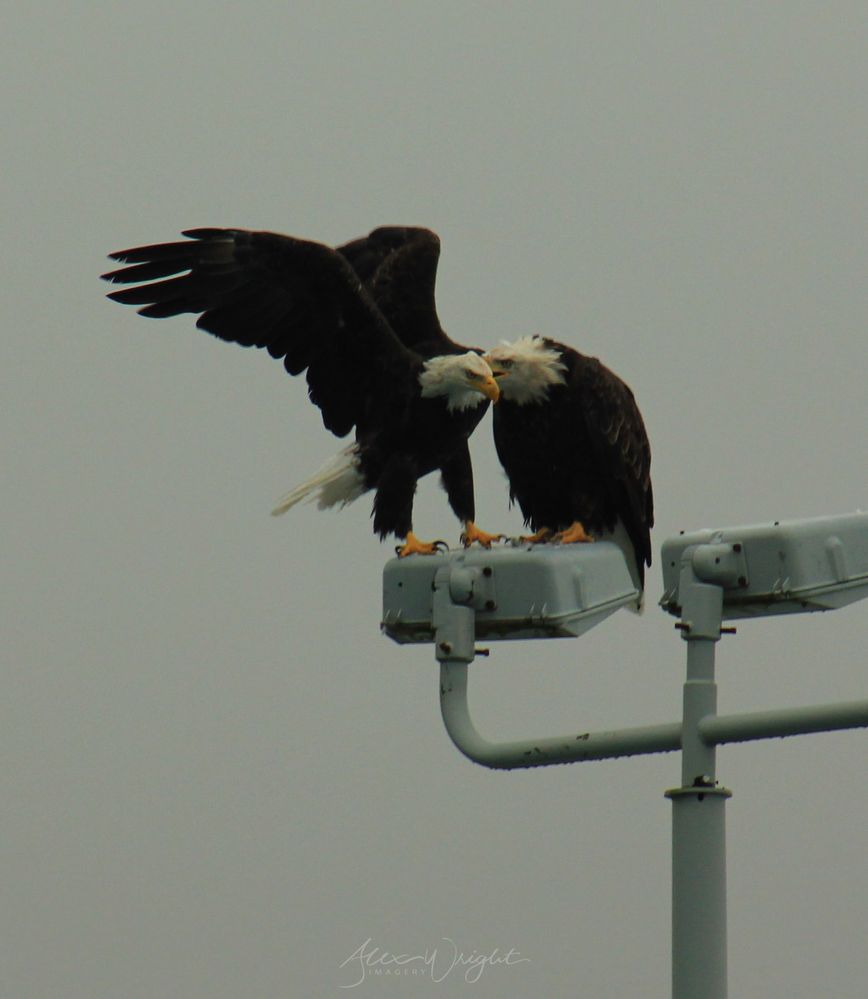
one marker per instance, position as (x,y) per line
(413,546)
(574,534)
(472,533)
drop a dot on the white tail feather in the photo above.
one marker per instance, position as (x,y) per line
(339,481)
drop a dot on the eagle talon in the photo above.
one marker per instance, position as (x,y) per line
(413,546)
(538,537)
(472,533)
(575,534)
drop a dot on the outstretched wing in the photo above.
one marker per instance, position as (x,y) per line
(618,436)
(300,300)
(398,266)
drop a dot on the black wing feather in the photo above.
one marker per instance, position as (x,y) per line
(398,267)
(302,301)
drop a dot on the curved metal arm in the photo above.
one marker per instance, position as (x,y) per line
(459,591)
(541,752)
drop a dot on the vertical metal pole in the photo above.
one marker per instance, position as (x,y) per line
(698,828)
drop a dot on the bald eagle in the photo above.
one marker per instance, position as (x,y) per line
(573,445)
(361,321)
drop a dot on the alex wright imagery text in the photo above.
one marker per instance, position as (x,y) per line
(437,963)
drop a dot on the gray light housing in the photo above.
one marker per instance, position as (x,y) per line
(522,591)
(787,567)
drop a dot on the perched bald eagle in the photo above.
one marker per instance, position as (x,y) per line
(573,444)
(361,321)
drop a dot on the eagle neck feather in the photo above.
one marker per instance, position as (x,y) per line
(445,377)
(537,367)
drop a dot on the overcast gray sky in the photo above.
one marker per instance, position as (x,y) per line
(218,778)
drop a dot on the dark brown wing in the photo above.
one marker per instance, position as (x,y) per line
(617,434)
(398,266)
(298,299)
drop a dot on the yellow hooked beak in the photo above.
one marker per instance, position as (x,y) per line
(489,388)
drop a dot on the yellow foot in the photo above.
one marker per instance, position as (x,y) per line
(472,533)
(543,534)
(413,546)
(574,534)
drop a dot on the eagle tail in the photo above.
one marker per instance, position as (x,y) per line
(338,482)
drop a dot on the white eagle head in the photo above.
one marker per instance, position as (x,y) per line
(463,379)
(526,369)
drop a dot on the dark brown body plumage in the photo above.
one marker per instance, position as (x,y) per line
(580,454)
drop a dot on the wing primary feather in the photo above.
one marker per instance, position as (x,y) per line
(154,251)
(165,310)
(159,291)
(148,271)
(206,232)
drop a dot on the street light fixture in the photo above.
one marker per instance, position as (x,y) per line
(709,576)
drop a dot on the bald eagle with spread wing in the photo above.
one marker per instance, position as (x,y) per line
(361,321)
(573,444)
